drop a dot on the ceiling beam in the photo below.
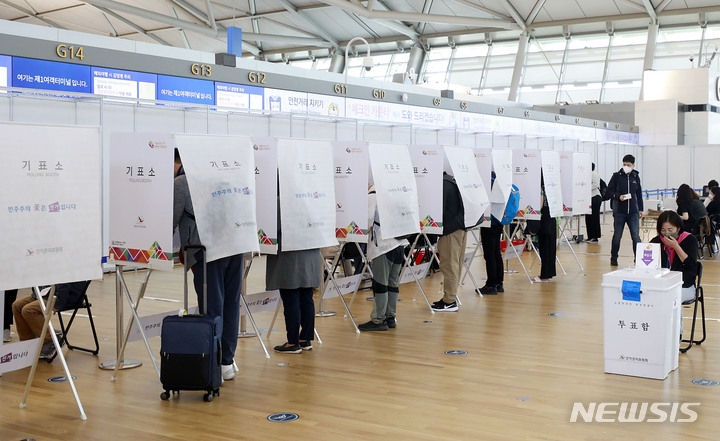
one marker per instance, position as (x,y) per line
(662,6)
(32,14)
(650,10)
(632,4)
(535,11)
(299,13)
(514,14)
(132,25)
(483,9)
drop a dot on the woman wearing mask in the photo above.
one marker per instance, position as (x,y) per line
(713,207)
(679,250)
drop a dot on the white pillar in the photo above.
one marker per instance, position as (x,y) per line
(519,66)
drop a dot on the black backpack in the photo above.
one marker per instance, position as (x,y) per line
(603,191)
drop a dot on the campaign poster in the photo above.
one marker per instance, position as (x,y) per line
(50,205)
(220,172)
(307,194)
(553,186)
(427,163)
(502,160)
(526,177)
(351,167)
(472,189)
(266,188)
(484,164)
(141,200)
(396,190)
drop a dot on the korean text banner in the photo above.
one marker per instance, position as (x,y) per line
(503,166)
(221,176)
(397,201)
(50,205)
(483,162)
(472,189)
(551,177)
(427,162)
(265,150)
(351,196)
(582,183)
(526,176)
(307,194)
(141,200)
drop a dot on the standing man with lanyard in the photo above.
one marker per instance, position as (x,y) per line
(627,204)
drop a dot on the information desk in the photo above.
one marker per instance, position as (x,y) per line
(642,333)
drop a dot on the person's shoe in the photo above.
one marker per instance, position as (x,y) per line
(488,290)
(613,262)
(48,351)
(7,335)
(391,323)
(440,305)
(228,372)
(372,326)
(538,279)
(499,287)
(306,345)
(592,241)
(288,348)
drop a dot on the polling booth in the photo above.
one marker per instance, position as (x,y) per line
(427,166)
(576,180)
(266,188)
(484,164)
(351,167)
(526,177)
(552,181)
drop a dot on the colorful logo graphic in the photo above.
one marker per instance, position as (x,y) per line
(424,152)
(140,219)
(338,205)
(30,252)
(151,144)
(54,207)
(256,147)
(348,150)
(333,110)
(342,233)
(265,240)
(139,256)
(429,222)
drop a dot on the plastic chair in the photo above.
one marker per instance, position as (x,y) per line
(699,298)
(84,303)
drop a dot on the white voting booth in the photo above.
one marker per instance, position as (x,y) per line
(265,151)
(641,321)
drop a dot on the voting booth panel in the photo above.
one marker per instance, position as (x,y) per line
(266,187)
(576,180)
(351,168)
(484,164)
(526,176)
(502,161)
(551,179)
(427,163)
(50,194)
(470,184)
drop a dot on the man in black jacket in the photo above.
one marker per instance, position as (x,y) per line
(627,204)
(451,245)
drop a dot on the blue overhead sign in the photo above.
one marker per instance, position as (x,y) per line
(234,41)
(185,90)
(124,83)
(5,71)
(50,75)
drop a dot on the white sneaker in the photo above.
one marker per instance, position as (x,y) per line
(7,335)
(228,373)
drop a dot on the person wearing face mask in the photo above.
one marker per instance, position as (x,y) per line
(627,204)
(678,249)
(706,191)
(713,206)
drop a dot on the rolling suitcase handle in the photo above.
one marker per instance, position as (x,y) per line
(204,295)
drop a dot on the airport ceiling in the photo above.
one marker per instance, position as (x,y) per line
(295,29)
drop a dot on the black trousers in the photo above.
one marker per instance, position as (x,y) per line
(299,314)
(490,238)
(10,296)
(547,245)
(592,221)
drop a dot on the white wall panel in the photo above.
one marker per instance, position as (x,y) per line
(653,173)
(706,164)
(679,169)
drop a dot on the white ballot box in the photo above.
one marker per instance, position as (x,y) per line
(642,312)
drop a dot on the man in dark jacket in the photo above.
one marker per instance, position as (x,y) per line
(627,204)
(451,245)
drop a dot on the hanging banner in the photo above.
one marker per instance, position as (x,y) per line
(472,189)
(582,183)
(220,173)
(307,194)
(397,198)
(551,178)
(502,166)
(16,356)
(427,163)
(265,151)
(484,164)
(526,177)
(351,160)
(50,205)
(141,200)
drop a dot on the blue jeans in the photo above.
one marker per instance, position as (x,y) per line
(633,222)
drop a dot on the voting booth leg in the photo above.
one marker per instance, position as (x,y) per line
(243,332)
(508,239)
(119,305)
(48,311)
(366,267)
(337,288)
(472,279)
(475,251)
(407,265)
(252,321)
(321,307)
(572,251)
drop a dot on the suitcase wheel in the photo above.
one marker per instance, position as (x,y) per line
(208,396)
(165,396)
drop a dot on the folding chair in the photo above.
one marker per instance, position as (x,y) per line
(84,303)
(699,298)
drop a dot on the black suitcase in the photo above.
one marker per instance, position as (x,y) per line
(190,348)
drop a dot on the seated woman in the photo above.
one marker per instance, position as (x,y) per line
(713,207)
(690,209)
(679,250)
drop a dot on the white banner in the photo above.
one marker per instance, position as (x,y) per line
(427,161)
(307,194)
(551,178)
(526,177)
(152,324)
(221,176)
(141,200)
(567,172)
(352,162)
(484,164)
(278,100)
(265,149)
(326,105)
(397,200)
(262,301)
(50,205)
(582,183)
(346,285)
(503,167)
(472,189)
(420,272)
(15,356)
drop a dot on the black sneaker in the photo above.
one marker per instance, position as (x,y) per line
(613,262)
(488,290)
(592,241)
(499,287)
(287,348)
(372,326)
(391,322)
(444,307)
(48,352)
(306,345)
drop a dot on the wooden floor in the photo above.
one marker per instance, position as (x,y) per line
(519,380)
